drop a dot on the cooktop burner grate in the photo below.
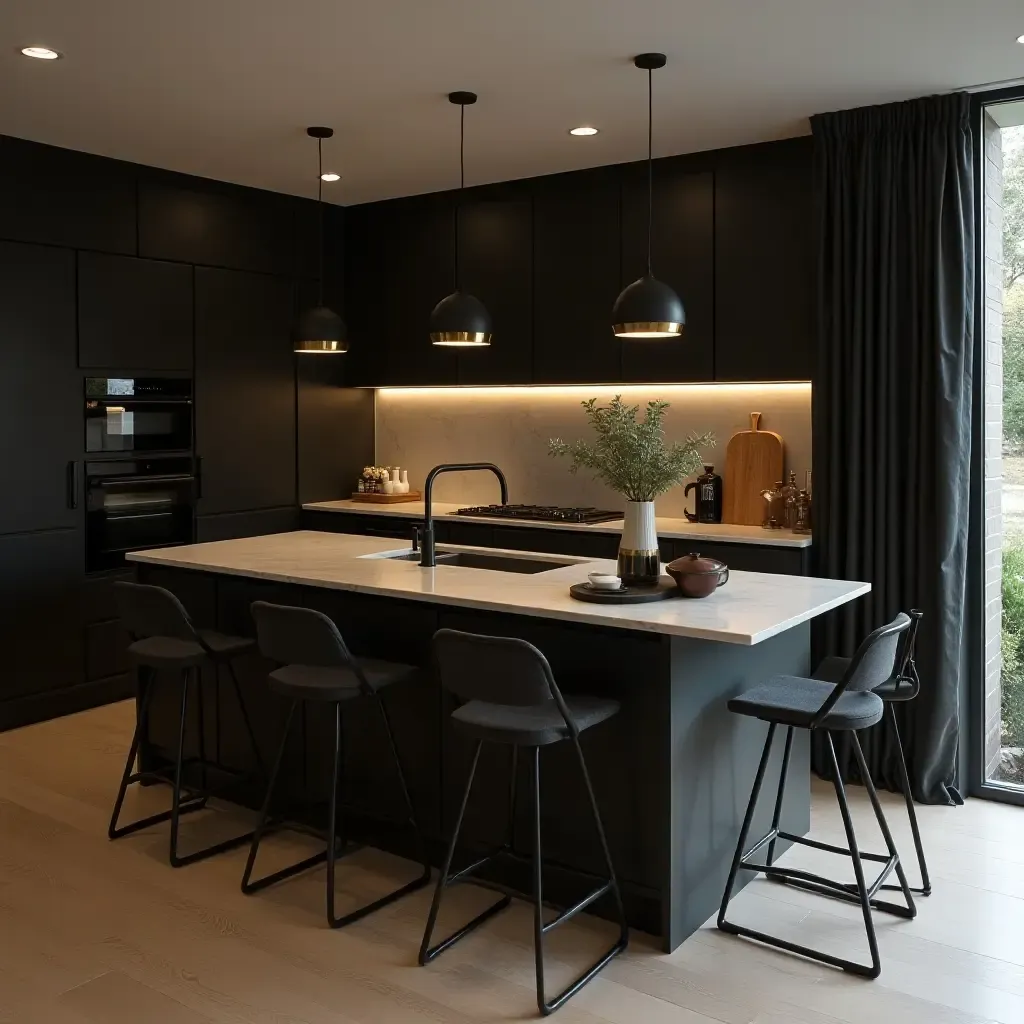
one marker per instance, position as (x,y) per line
(542,513)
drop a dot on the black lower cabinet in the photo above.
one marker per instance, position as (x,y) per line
(232,525)
(43,632)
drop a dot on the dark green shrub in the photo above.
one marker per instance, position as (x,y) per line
(1012,682)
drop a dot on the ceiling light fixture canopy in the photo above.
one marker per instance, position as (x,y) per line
(330,176)
(460,319)
(584,129)
(648,308)
(319,329)
(41,53)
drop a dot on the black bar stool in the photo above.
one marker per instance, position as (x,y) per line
(848,706)
(904,685)
(318,668)
(512,698)
(164,638)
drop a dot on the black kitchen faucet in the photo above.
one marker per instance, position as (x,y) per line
(427,543)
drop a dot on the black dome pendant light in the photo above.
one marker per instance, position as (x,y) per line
(319,329)
(460,319)
(648,308)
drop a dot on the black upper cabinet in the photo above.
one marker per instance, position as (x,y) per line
(576,278)
(245,391)
(134,314)
(682,254)
(41,627)
(218,226)
(764,262)
(400,265)
(496,263)
(42,418)
(60,197)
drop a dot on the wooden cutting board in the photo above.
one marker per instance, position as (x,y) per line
(753,463)
(385,499)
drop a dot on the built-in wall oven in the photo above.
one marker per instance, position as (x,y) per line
(137,503)
(138,415)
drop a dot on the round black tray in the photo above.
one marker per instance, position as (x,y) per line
(660,591)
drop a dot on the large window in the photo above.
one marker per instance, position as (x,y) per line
(1003,368)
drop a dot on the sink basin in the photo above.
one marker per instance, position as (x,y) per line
(496,561)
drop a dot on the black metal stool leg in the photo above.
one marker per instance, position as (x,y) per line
(427,952)
(204,780)
(926,884)
(777,816)
(260,763)
(192,803)
(910,911)
(248,886)
(748,818)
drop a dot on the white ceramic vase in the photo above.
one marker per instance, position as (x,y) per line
(639,560)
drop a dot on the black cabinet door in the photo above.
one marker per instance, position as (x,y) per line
(682,254)
(134,314)
(60,197)
(496,265)
(218,225)
(576,277)
(764,263)
(41,630)
(245,391)
(42,417)
(400,265)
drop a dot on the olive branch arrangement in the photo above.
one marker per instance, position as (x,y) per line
(632,456)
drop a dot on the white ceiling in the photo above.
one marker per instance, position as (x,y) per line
(225,88)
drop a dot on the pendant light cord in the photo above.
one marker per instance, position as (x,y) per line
(320,211)
(462,186)
(650,166)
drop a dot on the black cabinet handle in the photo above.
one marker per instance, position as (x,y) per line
(71,482)
(199,477)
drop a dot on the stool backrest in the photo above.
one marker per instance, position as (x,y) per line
(301,636)
(494,669)
(147,611)
(872,665)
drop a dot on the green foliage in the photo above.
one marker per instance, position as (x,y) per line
(1012,644)
(630,456)
(1013,366)
(1013,205)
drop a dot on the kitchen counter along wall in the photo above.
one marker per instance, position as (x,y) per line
(418,428)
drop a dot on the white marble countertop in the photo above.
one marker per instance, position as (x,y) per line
(750,608)
(681,529)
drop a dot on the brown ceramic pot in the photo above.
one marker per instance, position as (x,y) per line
(696,576)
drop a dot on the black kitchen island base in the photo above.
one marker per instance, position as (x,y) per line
(672,771)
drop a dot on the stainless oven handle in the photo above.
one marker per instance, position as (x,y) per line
(142,481)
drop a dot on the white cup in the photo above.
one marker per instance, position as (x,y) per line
(604,581)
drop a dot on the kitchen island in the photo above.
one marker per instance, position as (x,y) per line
(672,770)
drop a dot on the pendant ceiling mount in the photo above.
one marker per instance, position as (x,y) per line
(319,329)
(460,320)
(648,308)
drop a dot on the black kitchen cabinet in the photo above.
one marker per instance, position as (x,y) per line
(42,415)
(245,391)
(60,197)
(764,262)
(576,278)
(230,525)
(216,224)
(682,252)
(749,557)
(496,265)
(400,265)
(41,576)
(134,314)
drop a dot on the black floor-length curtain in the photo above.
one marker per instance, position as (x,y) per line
(892,403)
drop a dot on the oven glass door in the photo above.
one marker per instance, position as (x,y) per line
(132,425)
(134,514)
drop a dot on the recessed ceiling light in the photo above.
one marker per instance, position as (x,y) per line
(584,130)
(331,176)
(41,52)
(1020,39)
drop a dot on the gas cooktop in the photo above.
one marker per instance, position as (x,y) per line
(542,513)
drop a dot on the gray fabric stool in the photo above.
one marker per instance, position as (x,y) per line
(317,668)
(164,639)
(510,697)
(847,706)
(904,685)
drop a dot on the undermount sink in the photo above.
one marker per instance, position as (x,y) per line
(497,562)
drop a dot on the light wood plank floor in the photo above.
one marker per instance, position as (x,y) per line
(92,931)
